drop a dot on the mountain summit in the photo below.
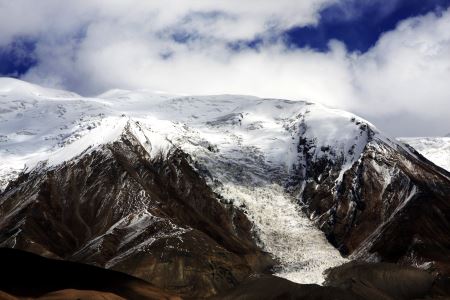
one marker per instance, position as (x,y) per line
(195,193)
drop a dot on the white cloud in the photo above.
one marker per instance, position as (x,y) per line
(241,19)
(407,75)
(92,46)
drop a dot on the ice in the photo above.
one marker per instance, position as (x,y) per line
(285,232)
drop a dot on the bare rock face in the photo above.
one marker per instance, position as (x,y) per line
(353,280)
(391,205)
(382,281)
(387,281)
(118,208)
(269,287)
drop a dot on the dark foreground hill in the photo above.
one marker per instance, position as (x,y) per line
(26,275)
(29,276)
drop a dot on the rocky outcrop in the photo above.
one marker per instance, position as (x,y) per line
(390,205)
(119,208)
(351,281)
(269,287)
(383,281)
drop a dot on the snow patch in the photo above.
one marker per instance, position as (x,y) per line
(436,149)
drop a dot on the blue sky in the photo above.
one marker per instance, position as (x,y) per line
(388,61)
(362,28)
(17,57)
(358,24)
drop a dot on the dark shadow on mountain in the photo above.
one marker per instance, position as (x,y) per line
(28,275)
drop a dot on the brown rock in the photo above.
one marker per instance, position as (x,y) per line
(392,205)
(71,294)
(154,218)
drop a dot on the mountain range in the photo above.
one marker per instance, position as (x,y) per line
(196,194)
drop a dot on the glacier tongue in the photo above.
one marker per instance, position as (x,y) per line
(249,157)
(285,232)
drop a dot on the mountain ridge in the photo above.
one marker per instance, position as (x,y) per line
(436,149)
(279,169)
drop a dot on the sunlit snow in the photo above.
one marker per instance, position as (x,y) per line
(246,147)
(436,149)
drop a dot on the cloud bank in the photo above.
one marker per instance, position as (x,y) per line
(402,84)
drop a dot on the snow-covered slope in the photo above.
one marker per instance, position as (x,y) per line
(248,146)
(436,149)
(262,155)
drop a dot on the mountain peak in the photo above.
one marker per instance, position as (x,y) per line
(60,125)
(294,170)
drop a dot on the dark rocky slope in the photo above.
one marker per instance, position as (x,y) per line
(385,281)
(352,281)
(26,275)
(392,204)
(118,208)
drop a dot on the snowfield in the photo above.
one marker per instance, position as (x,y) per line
(246,147)
(436,149)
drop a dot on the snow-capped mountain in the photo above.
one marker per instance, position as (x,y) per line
(436,149)
(136,181)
